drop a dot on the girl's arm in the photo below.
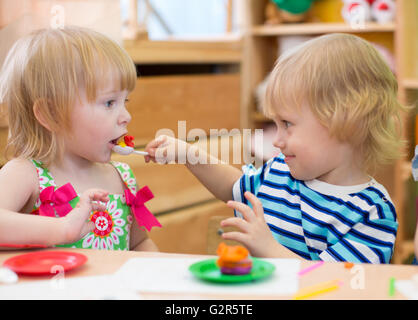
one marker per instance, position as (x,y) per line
(217,178)
(139,240)
(18,228)
(19,187)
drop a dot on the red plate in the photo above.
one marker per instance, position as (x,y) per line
(45,262)
(22,246)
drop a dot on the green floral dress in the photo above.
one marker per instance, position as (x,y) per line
(113,225)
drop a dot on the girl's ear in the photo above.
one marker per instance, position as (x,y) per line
(38,108)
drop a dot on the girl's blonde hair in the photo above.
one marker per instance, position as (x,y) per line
(49,68)
(350,90)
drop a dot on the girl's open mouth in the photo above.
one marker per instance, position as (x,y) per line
(117,140)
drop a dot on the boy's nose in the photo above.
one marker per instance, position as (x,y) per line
(278,141)
(279,144)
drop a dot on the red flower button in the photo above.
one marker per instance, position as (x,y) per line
(103,222)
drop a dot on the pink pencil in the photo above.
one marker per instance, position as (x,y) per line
(310,268)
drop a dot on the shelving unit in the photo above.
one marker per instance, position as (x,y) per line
(407,62)
(226,49)
(260,53)
(317,28)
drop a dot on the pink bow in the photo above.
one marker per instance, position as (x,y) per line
(56,201)
(142,215)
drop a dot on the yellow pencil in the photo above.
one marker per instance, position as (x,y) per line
(317,289)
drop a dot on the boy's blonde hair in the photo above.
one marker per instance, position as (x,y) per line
(350,90)
(49,68)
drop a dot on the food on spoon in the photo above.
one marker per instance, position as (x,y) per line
(128,141)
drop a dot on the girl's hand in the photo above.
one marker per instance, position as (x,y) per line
(166,149)
(76,223)
(255,234)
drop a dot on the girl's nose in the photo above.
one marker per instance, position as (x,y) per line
(125,117)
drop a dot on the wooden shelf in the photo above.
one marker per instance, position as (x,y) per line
(410,83)
(406,249)
(260,117)
(318,28)
(178,51)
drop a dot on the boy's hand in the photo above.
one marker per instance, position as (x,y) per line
(255,234)
(166,149)
(76,223)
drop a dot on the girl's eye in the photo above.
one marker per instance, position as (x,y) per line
(109,103)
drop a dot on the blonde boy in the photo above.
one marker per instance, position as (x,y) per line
(333,100)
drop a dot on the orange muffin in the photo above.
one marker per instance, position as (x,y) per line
(233,260)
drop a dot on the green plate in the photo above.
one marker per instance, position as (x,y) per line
(208,270)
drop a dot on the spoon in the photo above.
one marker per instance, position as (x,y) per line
(124,151)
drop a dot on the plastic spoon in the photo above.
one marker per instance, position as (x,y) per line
(124,151)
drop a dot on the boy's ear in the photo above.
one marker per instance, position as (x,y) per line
(38,107)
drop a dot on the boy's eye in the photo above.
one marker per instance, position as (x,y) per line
(109,103)
(286,124)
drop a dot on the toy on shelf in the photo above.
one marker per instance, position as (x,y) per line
(361,11)
(356,11)
(383,11)
(233,260)
(287,11)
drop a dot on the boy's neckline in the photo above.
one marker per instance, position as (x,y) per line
(332,189)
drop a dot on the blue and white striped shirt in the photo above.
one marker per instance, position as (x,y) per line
(320,221)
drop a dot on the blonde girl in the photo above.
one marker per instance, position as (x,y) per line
(65,92)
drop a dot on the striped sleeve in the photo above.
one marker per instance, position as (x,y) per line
(368,241)
(250,181)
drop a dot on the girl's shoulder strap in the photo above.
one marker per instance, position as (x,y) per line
(126,175)
(45,177)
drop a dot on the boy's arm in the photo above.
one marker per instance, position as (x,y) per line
(370,241)
(217,178)
(253,231)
